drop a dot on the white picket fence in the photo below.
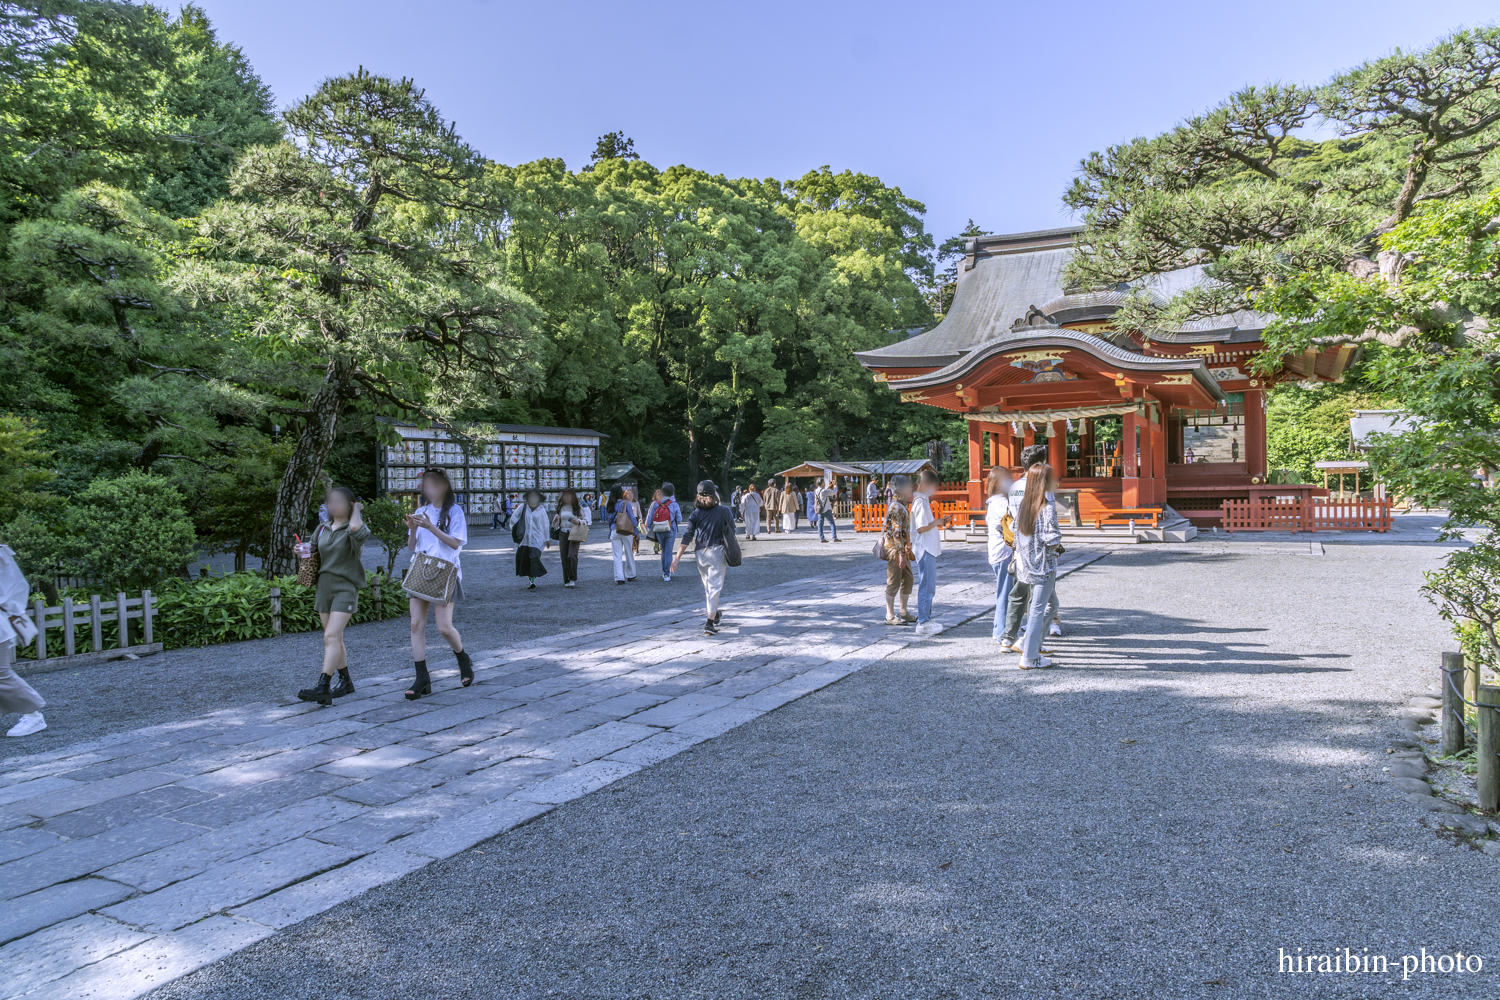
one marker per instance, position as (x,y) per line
(71,615)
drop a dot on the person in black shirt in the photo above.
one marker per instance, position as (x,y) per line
(706,528)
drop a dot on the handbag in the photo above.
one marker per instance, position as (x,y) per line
(731,545)
(518,528)
(578,532)
(879,551)
(430,578)
(308,566)
(622,524)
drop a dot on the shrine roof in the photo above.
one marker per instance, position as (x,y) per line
(1007,281)
(1051,336)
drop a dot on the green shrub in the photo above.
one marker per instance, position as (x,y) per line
(129,533)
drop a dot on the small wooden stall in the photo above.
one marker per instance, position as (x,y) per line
(1341,469)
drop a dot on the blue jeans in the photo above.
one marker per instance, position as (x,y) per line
(1036,617)
(1004,583)
(827,518)
(668,541)
(924,568)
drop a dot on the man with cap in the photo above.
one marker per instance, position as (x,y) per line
(707,526)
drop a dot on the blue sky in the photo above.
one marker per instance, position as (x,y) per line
(978,109)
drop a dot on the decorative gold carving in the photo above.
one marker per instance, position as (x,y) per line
(1185,378)
(1047,355)
(1203,350)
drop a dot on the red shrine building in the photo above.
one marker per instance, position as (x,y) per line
(1131,420)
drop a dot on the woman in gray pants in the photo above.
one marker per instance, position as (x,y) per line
(15,694)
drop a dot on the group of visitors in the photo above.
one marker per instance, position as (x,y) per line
(1024,541)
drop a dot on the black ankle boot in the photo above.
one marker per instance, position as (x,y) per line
(422,685)
(345,684)
(465,668)
(318,692)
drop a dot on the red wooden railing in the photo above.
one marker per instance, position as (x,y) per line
(1351,515)
(871,517)
(1306,514)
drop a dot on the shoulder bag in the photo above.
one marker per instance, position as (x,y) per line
(622,523)
(518,528)
(431,579)
(578,532)
(308,566)
(731,543)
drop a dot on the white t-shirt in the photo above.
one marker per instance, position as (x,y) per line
(926,542)
(429,544)
(995,509)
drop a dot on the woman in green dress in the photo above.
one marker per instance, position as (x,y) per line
(341,576)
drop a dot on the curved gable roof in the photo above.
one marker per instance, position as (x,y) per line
(1004,278)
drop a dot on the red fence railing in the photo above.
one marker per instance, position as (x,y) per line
(871,517)
(1306,514)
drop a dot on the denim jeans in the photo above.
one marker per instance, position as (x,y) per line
(924,568)
(1004,582)
(1016,609)
(827,518)
(668,541)
(1036,617)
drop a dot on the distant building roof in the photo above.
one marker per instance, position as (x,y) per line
(824,469)
(899,466)
(621,470)
(1366,422)
(1011,284)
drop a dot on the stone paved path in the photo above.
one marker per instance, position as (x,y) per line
(131,860)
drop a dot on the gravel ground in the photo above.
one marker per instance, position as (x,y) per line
(497,610)
(1197,787)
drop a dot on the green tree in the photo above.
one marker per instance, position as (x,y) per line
(21,463)
(364,278)
(129,533)
(387,522)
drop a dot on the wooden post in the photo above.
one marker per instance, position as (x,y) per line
(1057,447)
(1255,433)
(379,607)
(1453,706)
(1471,679)
(1487,747)
(976,462)
(146,617)
(275,610)
(40,607)
(67,607)
(123,640)
(96,622)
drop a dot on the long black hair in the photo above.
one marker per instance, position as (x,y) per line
(448,499)
(616,494)
(577,508)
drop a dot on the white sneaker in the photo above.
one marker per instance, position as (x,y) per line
(1054,629)
(666,578)
(28,724)
(1039,664)
(568,584)
(929,628)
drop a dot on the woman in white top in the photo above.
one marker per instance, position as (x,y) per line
(536,536)
(750,506)
(437,529)
(15,694)
(998,521)
(571,513)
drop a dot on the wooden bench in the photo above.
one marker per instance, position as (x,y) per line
(1125,514)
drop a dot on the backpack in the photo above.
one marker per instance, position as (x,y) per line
(663,513)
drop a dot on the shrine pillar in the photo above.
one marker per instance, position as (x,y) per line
(1255,434)
(1158,455)
(1057,447)
(1130,445)
(976,463)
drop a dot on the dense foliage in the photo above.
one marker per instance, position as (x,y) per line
(238,303)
